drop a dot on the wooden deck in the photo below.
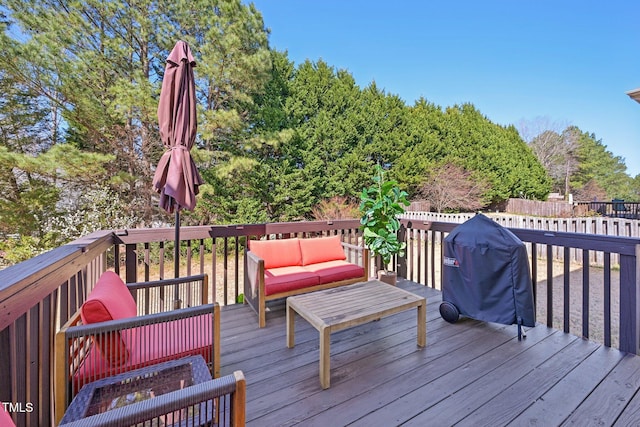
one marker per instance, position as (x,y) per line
(470,373)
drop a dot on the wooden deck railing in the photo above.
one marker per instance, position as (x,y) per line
(618,294)
(39,295)
(615,208)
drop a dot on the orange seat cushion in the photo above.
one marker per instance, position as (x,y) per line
(277,253)
(284,279)
(109,300)
(152,344)
(335,271)
(321,249)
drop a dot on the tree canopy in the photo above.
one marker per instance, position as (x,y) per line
(578,163)
(81,82)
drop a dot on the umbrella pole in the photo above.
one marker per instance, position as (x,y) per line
(176,260)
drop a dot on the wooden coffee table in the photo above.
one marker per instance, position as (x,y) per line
(346,306)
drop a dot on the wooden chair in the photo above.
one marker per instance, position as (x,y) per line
(121,327)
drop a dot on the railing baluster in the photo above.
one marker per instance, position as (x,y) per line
(237,268)
(225,278)
(32,357)
(607,299)
(19,363)
(189,254)
(214,271)
(567,290)
(418,262)
(201,257)
(550,286)
(534,272)
(435,243)
(147,261)
(585,293)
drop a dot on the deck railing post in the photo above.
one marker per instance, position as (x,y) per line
(401,263)
(131,263)
(629,303)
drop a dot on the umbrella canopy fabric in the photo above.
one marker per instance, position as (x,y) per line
(177,178)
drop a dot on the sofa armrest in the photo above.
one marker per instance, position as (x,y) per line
(254,283)
(254,287)
(357,255)
(161,295)
(227,393)
(73,344)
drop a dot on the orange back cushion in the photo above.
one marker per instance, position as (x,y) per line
(321,249)
(109,300)
(277,253)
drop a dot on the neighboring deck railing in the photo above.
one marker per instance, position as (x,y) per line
(615,208)
(39,295)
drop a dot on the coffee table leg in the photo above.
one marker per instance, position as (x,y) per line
(290,327)
(325,353)
(422,324)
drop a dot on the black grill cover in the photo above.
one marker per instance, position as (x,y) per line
(486,273)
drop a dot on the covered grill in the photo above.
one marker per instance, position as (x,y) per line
(486,275)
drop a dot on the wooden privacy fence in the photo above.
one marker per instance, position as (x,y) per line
(557,209)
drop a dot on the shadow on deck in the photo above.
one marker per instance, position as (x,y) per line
(471,373)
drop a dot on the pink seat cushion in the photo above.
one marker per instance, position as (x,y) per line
(5,418)
(109,300)
(152,344)
(277,253)
(285,279)
(334,271)
(321,249)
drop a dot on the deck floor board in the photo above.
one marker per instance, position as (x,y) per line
(470,373)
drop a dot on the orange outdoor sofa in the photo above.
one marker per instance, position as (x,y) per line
(114,333)
(281,268)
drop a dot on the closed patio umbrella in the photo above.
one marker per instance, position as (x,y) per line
(177,178)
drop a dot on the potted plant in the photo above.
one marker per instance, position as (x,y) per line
(379,205)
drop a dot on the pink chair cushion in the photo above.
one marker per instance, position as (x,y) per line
(335,271)
(109,300)
(5,418)
(152,344)
(321,249)
(286,279)
(277,253)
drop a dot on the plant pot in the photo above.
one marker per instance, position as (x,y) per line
(389,277)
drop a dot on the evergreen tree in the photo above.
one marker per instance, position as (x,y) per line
(596,163)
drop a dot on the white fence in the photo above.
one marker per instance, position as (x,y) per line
(588,225)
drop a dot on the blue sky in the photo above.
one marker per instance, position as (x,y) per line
(547,63)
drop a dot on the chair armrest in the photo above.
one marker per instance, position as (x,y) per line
(134,322)
(161,295)
(227,393)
